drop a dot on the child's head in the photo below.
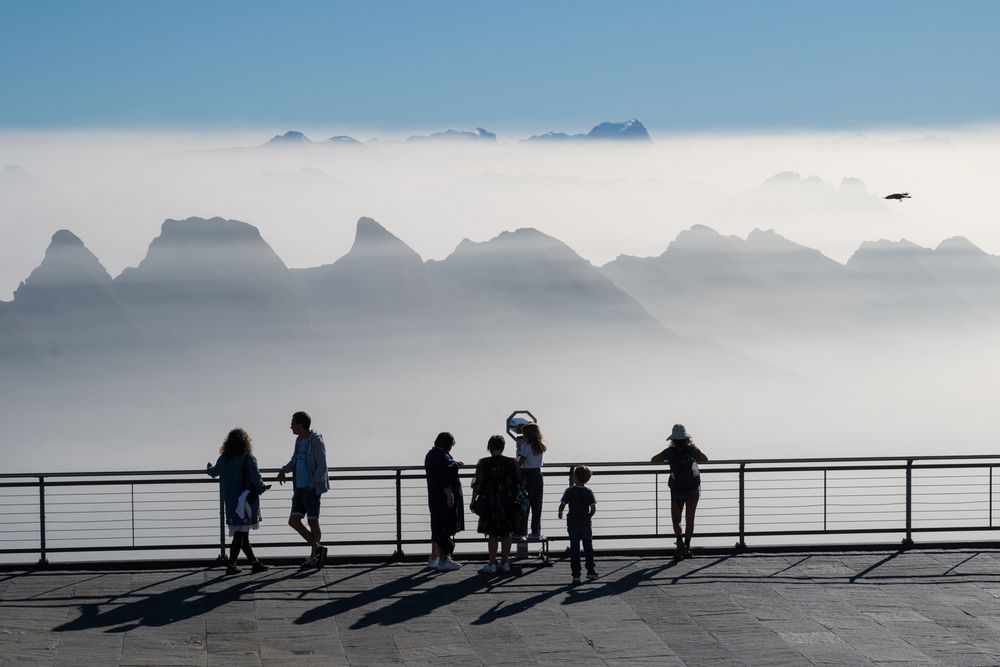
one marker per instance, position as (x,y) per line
(581,474)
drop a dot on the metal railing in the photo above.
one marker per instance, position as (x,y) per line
(383,510)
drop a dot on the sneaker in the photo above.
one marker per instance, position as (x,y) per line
(232,569)
(576,579)
(592,574)
(489,568)
(536,536)
(432,563)
(258,567)
(308,563)
(505,567)
(448,565)
(321,557)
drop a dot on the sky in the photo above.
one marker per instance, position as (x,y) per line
(505,66)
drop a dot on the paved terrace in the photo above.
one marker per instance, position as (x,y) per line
(857,608)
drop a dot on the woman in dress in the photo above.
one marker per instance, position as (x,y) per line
(241,489)
(684,483)
(530,452)
(444,499)
(494,493)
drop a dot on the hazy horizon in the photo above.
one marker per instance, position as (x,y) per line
(115,188)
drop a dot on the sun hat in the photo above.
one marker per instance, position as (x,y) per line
(679,433)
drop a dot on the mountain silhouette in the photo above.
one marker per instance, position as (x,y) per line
(629,130)
(456,135)
(208,276)
(380,279)
(525,278)
(70,301)
(290,138)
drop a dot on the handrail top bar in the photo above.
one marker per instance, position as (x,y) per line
(609,464)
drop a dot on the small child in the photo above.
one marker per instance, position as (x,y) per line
(582,506)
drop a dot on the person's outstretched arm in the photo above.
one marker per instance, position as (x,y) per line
(659,458)
(255,478)
(213,470)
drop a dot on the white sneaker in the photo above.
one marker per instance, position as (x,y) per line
(489,568)
(505,567)
(432,563)
(448,565)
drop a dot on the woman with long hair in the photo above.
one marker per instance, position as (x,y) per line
(444,500)
(242,485)
(530,454)
(684,483)
(494,493)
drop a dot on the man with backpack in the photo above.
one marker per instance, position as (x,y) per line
(684,483)
(311,480)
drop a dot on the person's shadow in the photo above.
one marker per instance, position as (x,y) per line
(627,583)
(407,607)
(161,608)
(369,596)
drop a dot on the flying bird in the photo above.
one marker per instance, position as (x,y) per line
(898,196)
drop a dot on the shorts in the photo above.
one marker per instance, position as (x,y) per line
(684,496)
(305,502)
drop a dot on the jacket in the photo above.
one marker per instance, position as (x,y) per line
(234,482)
(319,478)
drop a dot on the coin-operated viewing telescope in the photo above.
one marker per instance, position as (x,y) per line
(517,420)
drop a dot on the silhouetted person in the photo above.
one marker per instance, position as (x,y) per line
(494,494)
(684,483)
(582,506)
(311,480)
(444,500)
(530,454)
(241,489)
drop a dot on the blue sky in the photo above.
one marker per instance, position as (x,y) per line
(532,65)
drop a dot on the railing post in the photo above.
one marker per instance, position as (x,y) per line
(42,556)
(742,544)
(991,497)
(908,540)
(399,514)
(656,501)
(222,524)
(131,488)
(824,501)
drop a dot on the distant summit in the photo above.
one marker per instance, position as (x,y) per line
(343,139)
(290,138)
(628,130)
(70,276)
(457,135)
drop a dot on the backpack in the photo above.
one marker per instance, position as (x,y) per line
(684,473)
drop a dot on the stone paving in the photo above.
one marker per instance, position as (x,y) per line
(851,608)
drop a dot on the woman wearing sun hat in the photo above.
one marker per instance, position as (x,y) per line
(684,483)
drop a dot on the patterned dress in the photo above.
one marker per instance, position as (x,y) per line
(496,484)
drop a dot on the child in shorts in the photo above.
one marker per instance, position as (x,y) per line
(582,506)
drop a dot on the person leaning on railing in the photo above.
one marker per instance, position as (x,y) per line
(241,489)
(684,483)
